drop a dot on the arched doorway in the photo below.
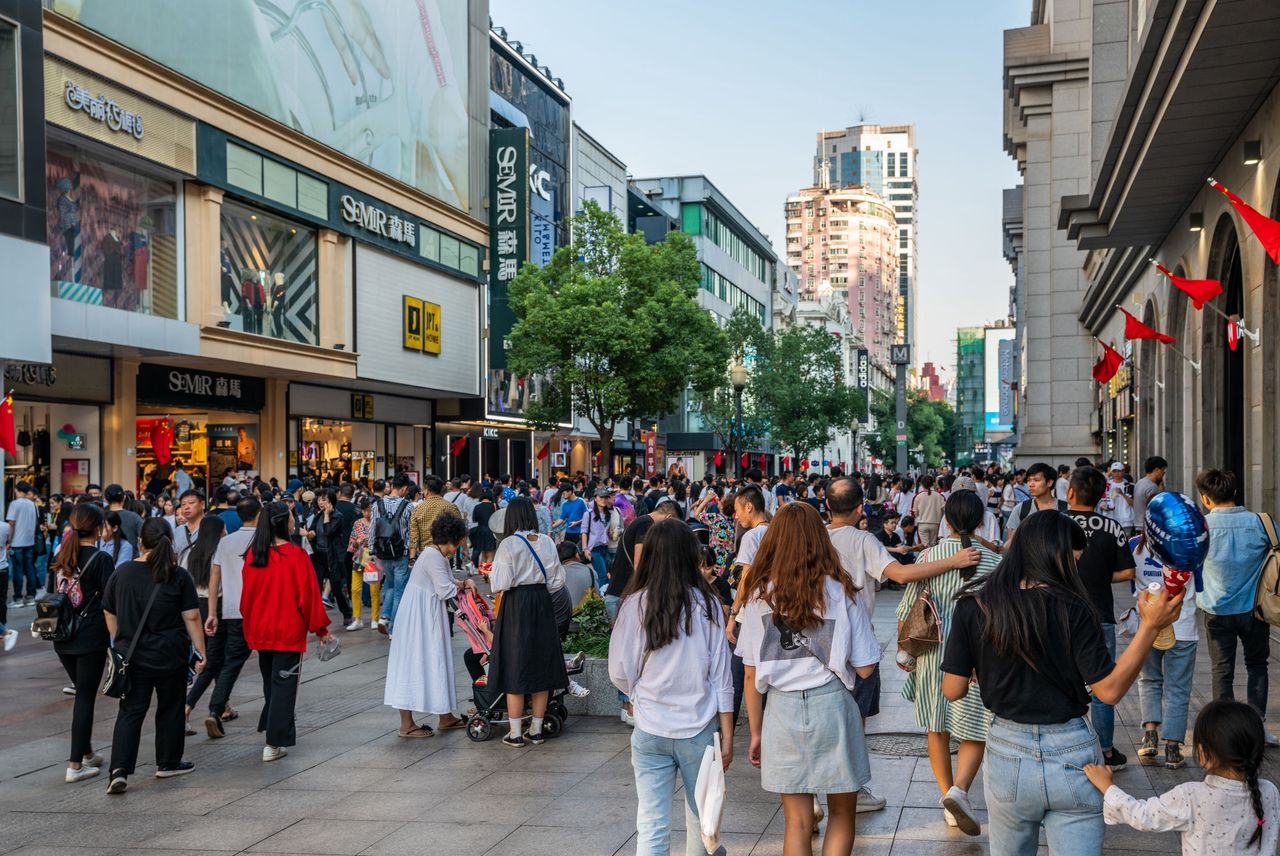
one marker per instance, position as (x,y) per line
(1222,370)
(1175,378)
(1149,436)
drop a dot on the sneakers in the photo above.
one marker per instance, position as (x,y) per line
(273,753)
(535,739)
(1115,760)
(356,625)
(168,771)
(68,690)
(950,819)
(1173,759)
(213,725)
(957,803)
(93,759)
(189,731)
(627,719)
(513,742)
(577,690)
(577,661)
(328,602)
(85,772)
(10,639)
(1272,740)
(382,627)
(118,784)
(1150,748)
(868,801)
(818,814)
(28,601)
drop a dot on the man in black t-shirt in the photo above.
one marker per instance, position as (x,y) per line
(1105,560)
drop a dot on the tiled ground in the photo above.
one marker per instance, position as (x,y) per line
(351,786)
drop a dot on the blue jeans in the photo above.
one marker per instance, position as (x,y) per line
(395,574)
(655,761)
(1028,782)
(611,604)
(22,566)
(1164,689)
(1103,714)
(601,559)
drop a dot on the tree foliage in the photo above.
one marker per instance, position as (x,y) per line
(930,427)
(614,326)
(745,337)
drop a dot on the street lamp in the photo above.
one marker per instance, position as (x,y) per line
(738,376)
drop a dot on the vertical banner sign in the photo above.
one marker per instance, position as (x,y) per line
(900,355)
(430,327)
(862,380)
(1006,379)
(412,323)
(508,230)
(650,454)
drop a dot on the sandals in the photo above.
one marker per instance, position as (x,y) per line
(418,731)
(457,723)
(228,715)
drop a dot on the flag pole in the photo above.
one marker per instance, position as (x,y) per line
(1252,334)
(1133,367)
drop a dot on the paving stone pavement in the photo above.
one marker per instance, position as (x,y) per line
(351,786)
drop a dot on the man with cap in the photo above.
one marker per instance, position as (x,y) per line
(1117,502)
(988,534)
(601,530)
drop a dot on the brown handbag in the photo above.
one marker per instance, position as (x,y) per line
(921,630)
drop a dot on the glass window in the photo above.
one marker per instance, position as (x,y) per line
(244,168)
(430,248)
(267,269)
(10,113)
(313,196)
(279,183)
(469,259)
(449,251)
(113,234)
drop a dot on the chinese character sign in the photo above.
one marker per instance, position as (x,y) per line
(103,109)
(508,229)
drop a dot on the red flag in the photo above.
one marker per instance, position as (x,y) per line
(1233,334)
(1267,230)
(1105,369)
(544,451)
(162,441)
(763,461)
(1200,291)
(455,448)
(8,435)
(786,462)
(1135,329)
(746,460)
(804,465)
(719,458)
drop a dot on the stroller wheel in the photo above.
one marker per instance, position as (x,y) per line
(559,710)
(479,729)
(552,725)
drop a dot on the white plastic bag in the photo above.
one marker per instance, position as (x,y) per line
(709,794)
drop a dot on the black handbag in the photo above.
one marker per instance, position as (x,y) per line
(115,679)
(56,619)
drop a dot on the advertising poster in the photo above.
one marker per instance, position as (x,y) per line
(233,447)
(75,476)
(997,400)
(382,81)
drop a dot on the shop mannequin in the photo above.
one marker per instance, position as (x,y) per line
(253,296)
(112,262)
(278,297)
(140,251)
(69,226)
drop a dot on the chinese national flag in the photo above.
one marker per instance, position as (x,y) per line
(1267,230)
(719,458)
(1201,291)
(544,451)
(1135,329)
(1105,369)
(786,462)
(746,460)
(8,436)
(804,465)
(456,448)
(764,461)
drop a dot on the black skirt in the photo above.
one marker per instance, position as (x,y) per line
(526,655)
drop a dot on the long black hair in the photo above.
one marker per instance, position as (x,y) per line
(200,556)
(276,526)
(964,513)
(1018,627)
(670,573)
(521,517)
(112,519)
(156,539)
(1229,736)
(86,522)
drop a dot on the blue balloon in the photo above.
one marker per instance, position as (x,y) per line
(1177,533)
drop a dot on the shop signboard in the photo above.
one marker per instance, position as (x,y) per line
(862,379)
(508,230)
(650,454)
(181,387)
(75,476)
(361,407)
(421,325)
(70,377)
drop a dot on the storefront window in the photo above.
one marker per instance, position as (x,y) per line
(113,234)
(268,275)
(10,113)
(209,445)
(339,450)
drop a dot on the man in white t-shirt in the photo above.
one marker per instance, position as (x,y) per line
(227,576)
(754,478)
(1063,482)
(23,518)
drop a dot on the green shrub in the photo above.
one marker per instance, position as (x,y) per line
(590,630)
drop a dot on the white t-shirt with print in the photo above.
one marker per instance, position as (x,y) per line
(864,559)
(1150,570)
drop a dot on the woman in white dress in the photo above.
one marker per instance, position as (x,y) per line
(420,665)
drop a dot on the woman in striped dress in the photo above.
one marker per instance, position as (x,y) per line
(966,719)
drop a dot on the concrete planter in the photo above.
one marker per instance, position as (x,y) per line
(603,700)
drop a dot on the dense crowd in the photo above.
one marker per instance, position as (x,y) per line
(721,591)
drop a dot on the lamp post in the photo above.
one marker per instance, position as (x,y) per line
(738,375)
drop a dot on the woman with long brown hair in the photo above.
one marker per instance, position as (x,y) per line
(802,641)
(81,571)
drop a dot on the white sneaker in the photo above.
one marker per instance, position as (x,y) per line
(356,625)
(273,753)
(1272,740)
(949,818)
(68,690)
(85,772)
(628,719)
(868,801)
(10,639)
(29,601)
(818,814)
(93,759)
(577,690)
(957,802)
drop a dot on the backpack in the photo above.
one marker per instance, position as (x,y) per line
(388,540)
(1267,605)
(1025,510)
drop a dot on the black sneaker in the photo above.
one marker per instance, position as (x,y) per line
(213,725)
(1115,760)
(535,739)
(1149,751)
(1173,756)
(118,783)
(513,742)
(168,771)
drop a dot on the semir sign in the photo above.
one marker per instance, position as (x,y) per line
(373,219)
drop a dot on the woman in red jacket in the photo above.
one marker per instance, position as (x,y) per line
(281,605)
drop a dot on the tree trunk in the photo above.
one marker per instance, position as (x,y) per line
(606,452)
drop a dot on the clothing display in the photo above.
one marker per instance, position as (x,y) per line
(253,299)
(140,252)
(112,262)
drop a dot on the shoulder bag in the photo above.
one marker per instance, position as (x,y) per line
(1267,604)
(922,628)
(56,619)
(560,602)
(115,680)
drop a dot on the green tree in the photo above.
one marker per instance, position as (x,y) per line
(717,406)
(614,326)
(930,427)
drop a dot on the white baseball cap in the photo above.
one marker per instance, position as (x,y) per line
(1117,467)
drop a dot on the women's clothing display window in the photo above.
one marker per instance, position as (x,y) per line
(267,269)
(113,233)
(208,444)
(330,448)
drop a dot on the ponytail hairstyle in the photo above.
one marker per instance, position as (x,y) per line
(112,519)
(1229,736)
(161,559)
(200,556)
(86,522)
(278,518)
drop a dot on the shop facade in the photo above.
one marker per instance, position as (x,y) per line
(336,433)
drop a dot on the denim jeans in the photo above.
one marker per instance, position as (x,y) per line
(22,566)
(1103,714)
(1028,782)
(395,576)
(655,761)
(601,559)
(611,604)
(1224,631)
(1164,689)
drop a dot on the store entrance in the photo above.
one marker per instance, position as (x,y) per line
(338,450)
(211,445)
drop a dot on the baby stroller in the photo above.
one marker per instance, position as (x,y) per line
(476,617)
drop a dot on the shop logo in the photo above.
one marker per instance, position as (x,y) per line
(373,219)
(199,384)
(103,109)
(31,374)
(421,325)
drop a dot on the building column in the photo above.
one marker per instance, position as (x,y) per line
(273,431)
(204,243)
(119,426)
(332,265)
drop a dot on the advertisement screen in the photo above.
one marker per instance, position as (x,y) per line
(997,387)
(382,81)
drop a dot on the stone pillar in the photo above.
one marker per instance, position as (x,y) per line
(204,242)
(119,426)
(273,433)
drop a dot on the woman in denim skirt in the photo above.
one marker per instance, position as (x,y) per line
(1029,635)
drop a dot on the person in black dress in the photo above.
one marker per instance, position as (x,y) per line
(483,541)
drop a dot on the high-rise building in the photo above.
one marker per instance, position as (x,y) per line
(883,158)
(844,242)
(970,391)
(931,384)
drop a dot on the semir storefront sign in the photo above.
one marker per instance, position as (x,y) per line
(377,220)
(179,387)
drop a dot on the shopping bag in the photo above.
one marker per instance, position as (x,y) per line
(709,795)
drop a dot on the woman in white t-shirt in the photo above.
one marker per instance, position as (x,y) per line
(803,640)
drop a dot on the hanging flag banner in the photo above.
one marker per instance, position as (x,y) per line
(1266,229)
(544,451)
(456,448)
(1135,329)
(1105,369)
(719,458)
(1199,290)
(1233,334)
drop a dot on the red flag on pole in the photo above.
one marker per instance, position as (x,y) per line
(764,462)
(1199,290)
(1135,329)
(8,436)
(456,447)
(719,458)
(746,460)
(1105,369)
(1267,230)
(804,465)
(544,451)
(786,462)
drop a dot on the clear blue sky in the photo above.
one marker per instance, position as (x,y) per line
(738,91)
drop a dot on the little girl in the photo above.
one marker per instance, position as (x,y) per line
(1231,811)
